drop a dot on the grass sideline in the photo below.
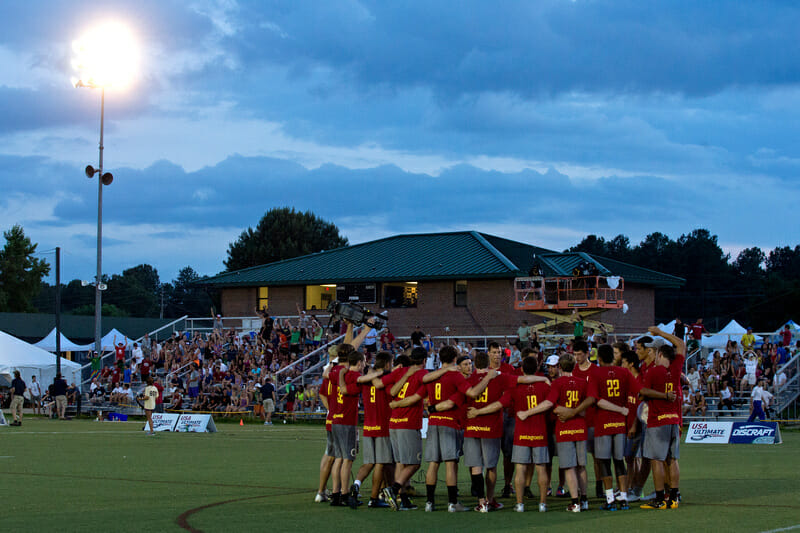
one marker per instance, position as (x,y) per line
(84,475)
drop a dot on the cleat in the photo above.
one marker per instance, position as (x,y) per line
(622,505)
(654,505)
(549,491)
(673,504)
(482,508)
(574,508)
(542,507)
(561,493)
(585,505)
(456,508)
(495,505)
(609,506)
(375,503)
(320,498)
(519,508)
(408,506)
(390,498)
(679,497)
(352,499)
(633,496)
(528,493)
(429,507)
(651,496)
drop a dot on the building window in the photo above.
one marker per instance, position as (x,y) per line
(461,293)
(401,294)
(319,296)
(263,297)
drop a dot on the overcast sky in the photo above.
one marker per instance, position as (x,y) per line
(537,121)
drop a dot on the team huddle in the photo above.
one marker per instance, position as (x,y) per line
(625,412)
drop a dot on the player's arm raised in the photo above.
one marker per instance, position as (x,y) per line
(680,346)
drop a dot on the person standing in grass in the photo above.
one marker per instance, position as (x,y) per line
(18,389)
(150,396)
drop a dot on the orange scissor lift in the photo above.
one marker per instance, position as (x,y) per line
(552,297)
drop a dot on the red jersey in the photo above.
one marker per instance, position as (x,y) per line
(333,397)
(532,431)
(569,392)
(160,388)
(376,411)
(406,417)
(661,412)
(145,368)
(488,426)
(786,335)
(450,386)
(347,409)
(326,390)
(588,375)
(613,384)
(120,352)
(115,373)
(675,372)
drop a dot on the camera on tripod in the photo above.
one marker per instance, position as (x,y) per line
(357,314)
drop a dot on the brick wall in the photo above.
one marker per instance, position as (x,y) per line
(489,311)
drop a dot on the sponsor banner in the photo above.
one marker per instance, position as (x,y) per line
(709,432)
(163,422)
(755,433)
(195,424)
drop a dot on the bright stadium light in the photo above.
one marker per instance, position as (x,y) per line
(106,56)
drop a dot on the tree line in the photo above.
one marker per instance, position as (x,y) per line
(758,289)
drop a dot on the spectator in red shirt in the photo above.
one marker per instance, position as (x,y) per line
(696,331)
(786,335)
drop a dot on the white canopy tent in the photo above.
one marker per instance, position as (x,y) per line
(732,331)
(107,342)
(49,343)
(16,354)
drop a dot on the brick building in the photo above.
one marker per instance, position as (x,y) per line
(463,281)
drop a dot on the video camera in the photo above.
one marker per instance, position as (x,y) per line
(356,313)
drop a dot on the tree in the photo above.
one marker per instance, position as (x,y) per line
(20,272)
(282,233)
(136,291)
(185,297)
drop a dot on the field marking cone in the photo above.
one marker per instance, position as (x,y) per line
(241,422)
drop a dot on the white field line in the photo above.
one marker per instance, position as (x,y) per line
(790,528)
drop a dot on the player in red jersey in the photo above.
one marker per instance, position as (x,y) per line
(445,395)
(404,427)
(530,435)
(326,464)
(507,440)
(377,454)
(611,386)
(662,385)
(345,419)
(568,396)
(630,361)
(585,369)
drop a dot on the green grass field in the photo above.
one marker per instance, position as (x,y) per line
(83,475)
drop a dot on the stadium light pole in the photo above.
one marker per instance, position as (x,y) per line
(105,57)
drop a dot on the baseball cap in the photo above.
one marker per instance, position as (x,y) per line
(552,360)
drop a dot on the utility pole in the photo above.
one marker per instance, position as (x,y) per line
(58,309)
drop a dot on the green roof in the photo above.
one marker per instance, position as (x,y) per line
(428,256)
(33,327)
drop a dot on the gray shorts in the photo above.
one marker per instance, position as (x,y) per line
(442,444)
(377,451)
(610,446)
(525,455)
(508,434)
(345,442)
(406,446)
(661,443)
(481,452)
(633,446)
(329,443)
(571,454)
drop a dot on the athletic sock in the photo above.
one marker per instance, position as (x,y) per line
(609,495)
(673,494)
(659,495)
(623,495)
(431,491)
(452,494)
(357,483)
(574,501)
(396,488)
(336,498)
(477,484)
(584,498)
